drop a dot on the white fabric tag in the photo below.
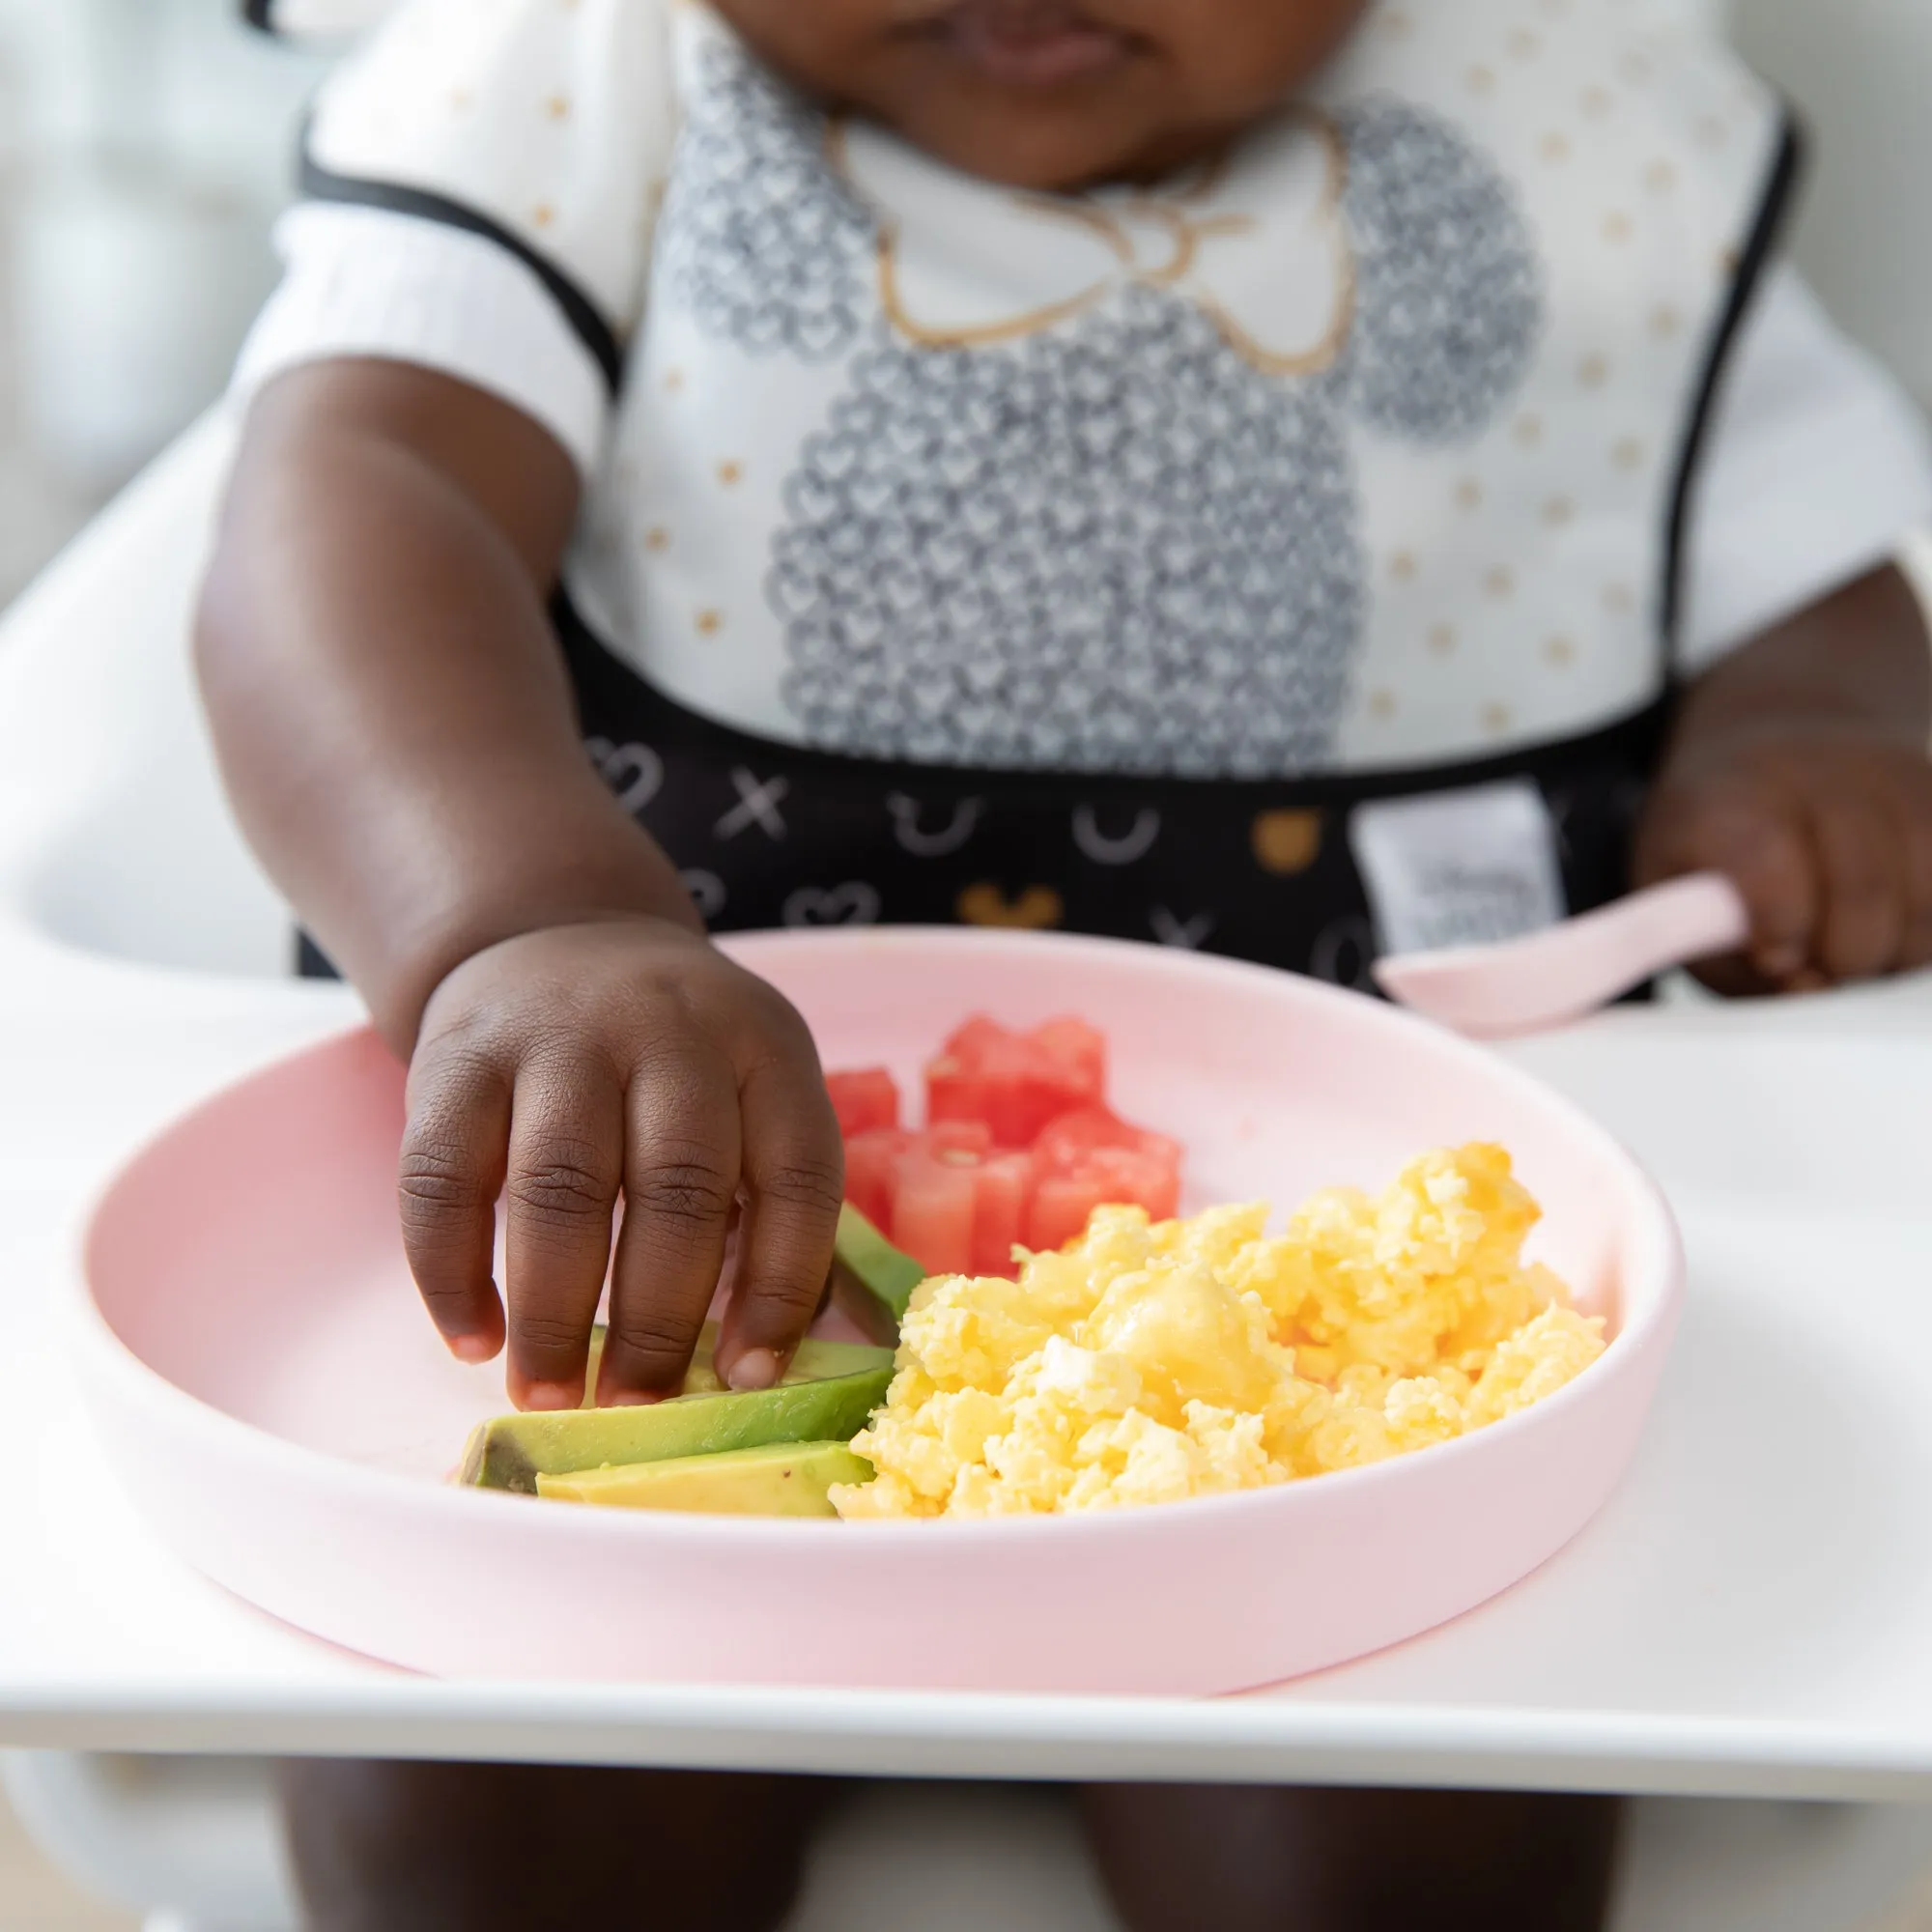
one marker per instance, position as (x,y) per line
(1459,868)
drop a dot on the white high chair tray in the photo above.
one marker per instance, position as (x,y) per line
(1753,1616)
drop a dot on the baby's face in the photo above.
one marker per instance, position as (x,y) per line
(1051,94)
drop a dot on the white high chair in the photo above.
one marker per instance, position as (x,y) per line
(118,859)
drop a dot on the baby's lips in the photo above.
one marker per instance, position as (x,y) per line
(1034,42)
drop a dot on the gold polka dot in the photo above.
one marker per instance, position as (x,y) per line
(1597,103)
(1442,639)
(673,381)
(1529,431)
(1481,80)
(1560,651)
(1470,493)
(1500,583)
(1667,324)
(1618,229)
(1398,26)
(1558,511)
(1286,843)
(1381,704)
(657,540)
(1526,44)
(710,622)
(557,107)
(1593,371)
(1662,177)
(1497,717)
(1554,147)
(460,100)
(1403,567)
(543,215)
(1630,453)
(730,474)
(1619,600)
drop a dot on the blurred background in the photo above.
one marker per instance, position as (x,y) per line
(145,148)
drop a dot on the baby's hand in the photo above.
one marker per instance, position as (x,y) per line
(558,1068)
(1827,829)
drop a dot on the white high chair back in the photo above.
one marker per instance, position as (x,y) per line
(114,836)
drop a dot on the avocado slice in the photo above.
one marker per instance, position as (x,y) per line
(871,1280)
(815,1361)
(774,1479)
(511,1452)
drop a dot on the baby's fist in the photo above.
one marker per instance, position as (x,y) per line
(1828,833)
(627,1057)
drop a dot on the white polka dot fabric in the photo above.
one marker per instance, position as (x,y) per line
(1355,451)
(553,118)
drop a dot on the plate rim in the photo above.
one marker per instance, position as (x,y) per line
(96,1349)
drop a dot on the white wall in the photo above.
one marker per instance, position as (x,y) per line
(1862,71)
(226,98)
(127,287)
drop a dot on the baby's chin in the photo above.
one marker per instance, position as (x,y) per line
(1050,145)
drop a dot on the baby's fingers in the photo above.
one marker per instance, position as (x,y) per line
(795,1181)
(680,1186)
(1765,849)
(1861,931)
(566,1160)
(1915,839)
(448,1177)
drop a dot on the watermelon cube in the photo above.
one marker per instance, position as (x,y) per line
(863,1100)
(932,1209)
(1000,1213)
(1062,1203)
(872,1168)
(1015,1082)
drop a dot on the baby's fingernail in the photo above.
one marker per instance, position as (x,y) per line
(629,1399)
(1781,961)
(471,1348)
(552,1396)
(754,1368)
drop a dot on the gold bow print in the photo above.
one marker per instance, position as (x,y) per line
(1257,242)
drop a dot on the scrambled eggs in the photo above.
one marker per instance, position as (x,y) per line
(1147,1363)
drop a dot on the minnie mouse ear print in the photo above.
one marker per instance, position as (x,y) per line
(316,20)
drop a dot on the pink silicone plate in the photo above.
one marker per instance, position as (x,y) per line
(265,1381)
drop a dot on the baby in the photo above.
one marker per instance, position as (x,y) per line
(1289,477)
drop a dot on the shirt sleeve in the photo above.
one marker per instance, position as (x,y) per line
(1819,470)
(480,184)
(366,282)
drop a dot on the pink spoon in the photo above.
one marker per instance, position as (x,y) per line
(1525,985)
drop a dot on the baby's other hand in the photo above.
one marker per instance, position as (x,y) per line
(1828,831)
(562,1068)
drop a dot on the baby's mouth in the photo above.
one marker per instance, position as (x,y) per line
(1039,44)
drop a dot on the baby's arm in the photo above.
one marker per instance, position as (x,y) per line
(397,732)
(1800,766)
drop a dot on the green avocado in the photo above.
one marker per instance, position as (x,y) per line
(871,1280)
(816,1361)
(511,1452)
(774,1479)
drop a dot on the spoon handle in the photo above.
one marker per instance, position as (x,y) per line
(1679,923)
(1548,979)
